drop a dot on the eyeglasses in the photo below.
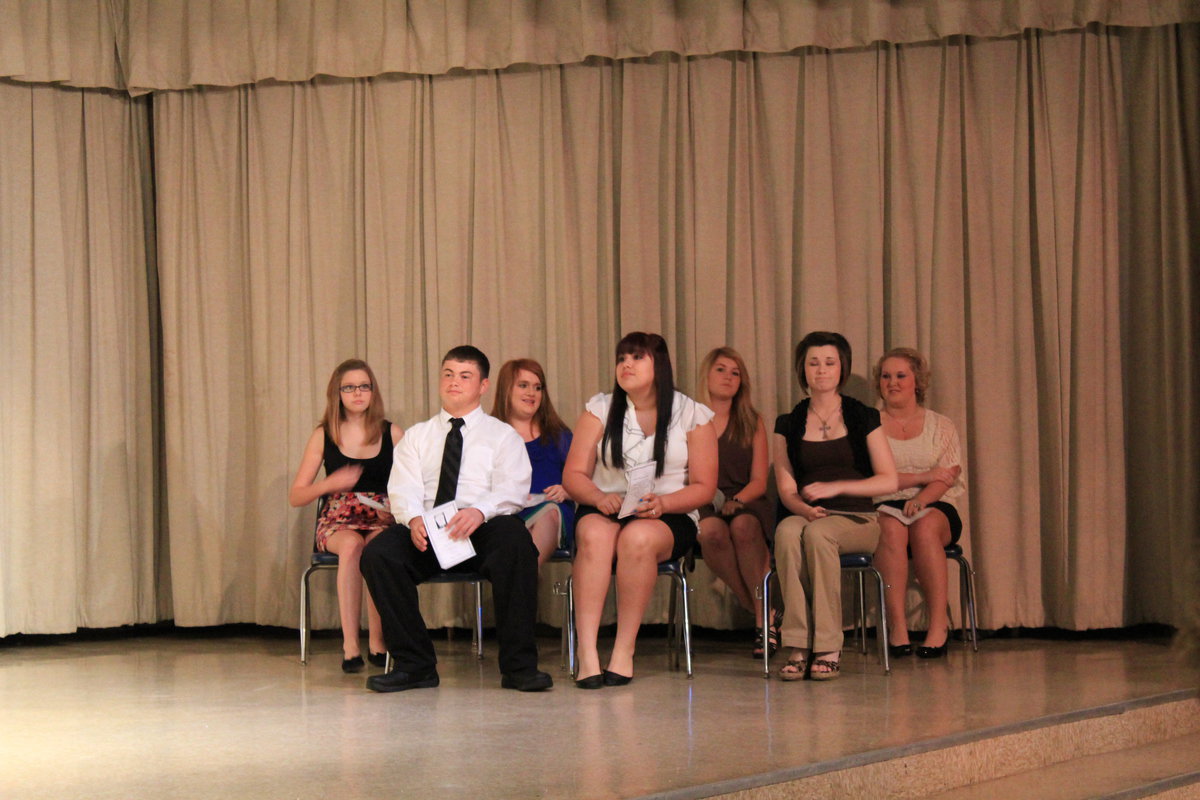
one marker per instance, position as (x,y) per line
(351,388)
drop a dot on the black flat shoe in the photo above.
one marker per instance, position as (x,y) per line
(352,665)
(377,659)
(932,652)
(531,681)
(900,650)
(614,679)
(398,681)
(590,682)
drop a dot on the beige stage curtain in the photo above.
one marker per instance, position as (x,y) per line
(307,223)
(1161,314)
(144,45)
(77,404)
(69,42)
(959,196)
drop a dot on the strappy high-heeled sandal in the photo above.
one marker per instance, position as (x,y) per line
(794,670)
(831,670)
(773,637)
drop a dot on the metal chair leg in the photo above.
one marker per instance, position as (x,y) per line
(687,623)
(861,631)
(304,615)
(882,627)
(966,581)
(672,626)
(765,593)
(478,632)
(572,635)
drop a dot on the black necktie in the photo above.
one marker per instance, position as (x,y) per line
(451,460)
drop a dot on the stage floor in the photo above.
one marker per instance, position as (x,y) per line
(200,715)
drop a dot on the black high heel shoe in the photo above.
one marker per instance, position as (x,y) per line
(352,665)
(932,652)
(900,650)
(615,679)
(377,659)
(591,682)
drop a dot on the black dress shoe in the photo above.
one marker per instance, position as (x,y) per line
(352,665)
(932,652)
(377,659)
(614,679)
(532,681)
(900,650)
(590,682)
(399,681)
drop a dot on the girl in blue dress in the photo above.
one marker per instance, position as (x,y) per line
(523,401)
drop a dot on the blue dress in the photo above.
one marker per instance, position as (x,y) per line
(547,461)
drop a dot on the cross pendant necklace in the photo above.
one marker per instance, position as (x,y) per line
(825,426)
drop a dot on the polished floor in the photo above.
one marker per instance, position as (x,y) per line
(234,714)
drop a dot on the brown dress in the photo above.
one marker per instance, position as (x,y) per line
(734,462)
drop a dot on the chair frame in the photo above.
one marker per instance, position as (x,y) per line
(966,593)
(327,561)
(679,634)
(860,564)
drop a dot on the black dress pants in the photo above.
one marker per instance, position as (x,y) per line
(504,554)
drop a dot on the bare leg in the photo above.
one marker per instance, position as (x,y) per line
(348,546)
(641,545)
(891,559)
(753,558)
(595,543)
(544,530)
(929,536)
(721,557)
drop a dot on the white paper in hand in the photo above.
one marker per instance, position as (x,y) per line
(448,551)
(640,482)
(900,515)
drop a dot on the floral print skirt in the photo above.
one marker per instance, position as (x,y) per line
(362,512)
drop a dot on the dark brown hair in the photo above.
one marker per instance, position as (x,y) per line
(821,339)
(655,346)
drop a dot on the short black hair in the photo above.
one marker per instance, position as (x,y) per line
(822,339)
(466,352)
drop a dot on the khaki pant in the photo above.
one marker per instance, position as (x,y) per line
(810,575)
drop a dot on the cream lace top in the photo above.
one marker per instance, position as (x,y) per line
(935,446)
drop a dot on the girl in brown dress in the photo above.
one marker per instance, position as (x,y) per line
(733,528)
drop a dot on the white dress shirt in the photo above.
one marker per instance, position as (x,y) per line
(494,476)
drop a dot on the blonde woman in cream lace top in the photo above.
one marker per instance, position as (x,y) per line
(921,517)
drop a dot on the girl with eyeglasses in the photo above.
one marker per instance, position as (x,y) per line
(354,443)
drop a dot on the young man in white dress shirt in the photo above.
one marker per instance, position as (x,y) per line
(492,484)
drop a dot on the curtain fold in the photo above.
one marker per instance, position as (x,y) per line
(1160,307)
(147,45)
(957,196)
(77,498)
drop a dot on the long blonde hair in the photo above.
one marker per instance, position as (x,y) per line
(335,412)
(743,418)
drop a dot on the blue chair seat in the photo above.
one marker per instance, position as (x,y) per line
(320,559)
